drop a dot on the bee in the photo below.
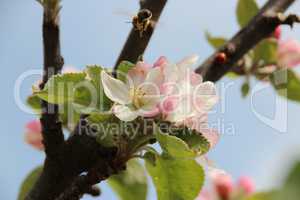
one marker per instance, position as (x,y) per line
(142,20)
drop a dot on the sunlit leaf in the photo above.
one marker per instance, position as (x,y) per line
(245,89)
(266,51)
(246,9)
(123,69)
(60,88)
(130,184)
(215,42)
(29,182)
(175,173)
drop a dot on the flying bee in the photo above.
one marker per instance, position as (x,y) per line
(142,21)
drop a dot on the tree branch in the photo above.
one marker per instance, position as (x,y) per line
(81,153)
(135,44)
(53,61)
(260,27)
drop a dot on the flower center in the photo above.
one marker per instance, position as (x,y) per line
(137,95)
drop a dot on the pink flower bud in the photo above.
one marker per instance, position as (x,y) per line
(69,69)
(223,185)
(33,135)
(289,53)
(246,184)
(277,33)
(161,61)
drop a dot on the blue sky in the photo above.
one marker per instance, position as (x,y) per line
(92,33)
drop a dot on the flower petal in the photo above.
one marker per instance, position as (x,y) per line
(183,110)
(34,126)
(137,75)
(33,135)
(154,76)
(188,61)
(195,78)
(115,89)
(247,184)
(161,61)
(205,96)
(124,113)
(289,53)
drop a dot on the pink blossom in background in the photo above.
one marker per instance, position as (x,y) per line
(69,69)
(288,53)
(246,184)
(33,134)
(223,185)
(224,188)
(277,33)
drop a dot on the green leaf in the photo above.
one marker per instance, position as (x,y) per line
(174,146)
(266,51)
(29,182)
(287,84)
(175,173)
(123,69)
(60,88)
(245,89)
(215,42)
(232,75)
(291,186)
(94,73)
(34,102)
(195,140)
(98,117)
(246,10)
(130,184)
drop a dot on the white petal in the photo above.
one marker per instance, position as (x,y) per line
(124,113)
(183,110)
(205,96)
(115,89)
(188,61)
(155,76)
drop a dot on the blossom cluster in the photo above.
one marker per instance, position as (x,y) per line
(172,92)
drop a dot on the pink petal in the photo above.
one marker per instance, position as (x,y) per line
(223,185)
(69,69)
(143,65)
(289,53)
(137,75)
(33,135)
(195,78)
(169,104)
(277,33)
(34,126)
(151,113)
(161,61)
(247,184)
